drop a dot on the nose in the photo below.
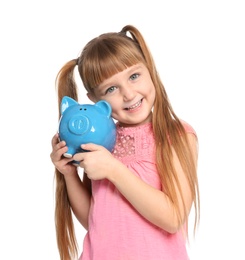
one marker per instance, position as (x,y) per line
(128,93)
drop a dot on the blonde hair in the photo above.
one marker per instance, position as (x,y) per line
(100,59)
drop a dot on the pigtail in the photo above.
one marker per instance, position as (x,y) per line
(137,37)
(169,132)
(65,232)
(65,82)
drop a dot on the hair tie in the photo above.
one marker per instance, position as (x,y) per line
(123,32)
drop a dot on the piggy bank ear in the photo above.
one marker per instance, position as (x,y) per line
(104,106)
(66,102)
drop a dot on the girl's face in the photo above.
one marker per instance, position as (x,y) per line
(131,94)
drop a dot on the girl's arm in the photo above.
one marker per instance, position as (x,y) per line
(151,203)
(79,197)
(79,193)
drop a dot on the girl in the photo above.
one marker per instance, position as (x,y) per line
(135,201)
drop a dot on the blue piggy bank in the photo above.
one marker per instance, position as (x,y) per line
(86,123)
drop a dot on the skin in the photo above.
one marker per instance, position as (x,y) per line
(131,95)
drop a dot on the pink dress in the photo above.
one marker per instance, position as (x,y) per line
(116,230)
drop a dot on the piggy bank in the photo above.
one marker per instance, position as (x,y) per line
(86,123)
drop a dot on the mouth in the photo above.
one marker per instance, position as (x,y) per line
(136,105)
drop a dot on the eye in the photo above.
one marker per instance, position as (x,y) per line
(110,90)
(134,76)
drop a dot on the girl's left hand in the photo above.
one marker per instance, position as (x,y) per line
(98,163)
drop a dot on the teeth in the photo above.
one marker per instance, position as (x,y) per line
(134,106)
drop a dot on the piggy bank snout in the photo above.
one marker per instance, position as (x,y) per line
(79,124)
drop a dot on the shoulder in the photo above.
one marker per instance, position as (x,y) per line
(191,136)
(188,128)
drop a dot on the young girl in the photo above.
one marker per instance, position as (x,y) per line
(135,201)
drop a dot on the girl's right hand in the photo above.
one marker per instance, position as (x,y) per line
(60,162)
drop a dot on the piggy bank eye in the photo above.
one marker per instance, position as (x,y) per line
(83,109)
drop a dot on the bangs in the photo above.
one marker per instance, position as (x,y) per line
(108,56)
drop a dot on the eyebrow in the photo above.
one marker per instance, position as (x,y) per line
(135,67)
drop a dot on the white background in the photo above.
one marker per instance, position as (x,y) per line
(198,47)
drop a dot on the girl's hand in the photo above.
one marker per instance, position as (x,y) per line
(98,163)
(60,162)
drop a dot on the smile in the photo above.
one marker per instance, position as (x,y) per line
(135,105)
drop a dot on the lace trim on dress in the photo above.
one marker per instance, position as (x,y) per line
(135,142)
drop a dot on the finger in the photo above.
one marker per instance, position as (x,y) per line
(81,164)
(64,165)
(78,157)
(58,151)
(91,147)
(55,139)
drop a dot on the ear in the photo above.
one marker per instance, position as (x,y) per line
(92,97)
(105,107)
(66,102)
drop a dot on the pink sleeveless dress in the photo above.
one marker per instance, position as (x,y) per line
(116,230)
